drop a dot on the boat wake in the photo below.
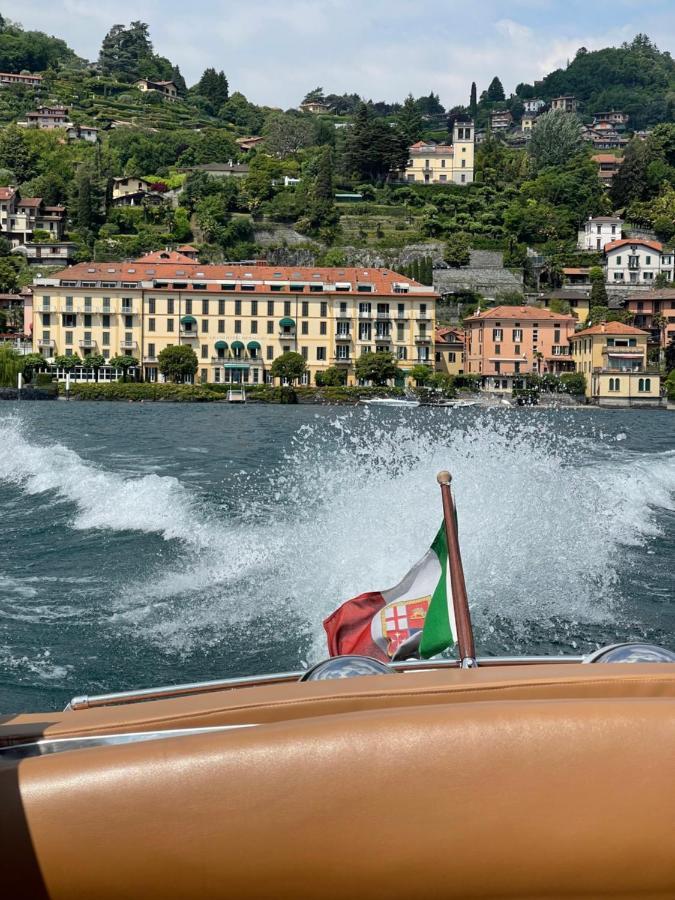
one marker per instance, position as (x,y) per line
(549,526)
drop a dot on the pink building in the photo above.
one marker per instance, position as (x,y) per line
(645,307)
(510,341)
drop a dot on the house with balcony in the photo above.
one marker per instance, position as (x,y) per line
(614,117)
(608,165)
(25,79)
(636,262)
(500,120)
(432,163)
(505,343)
(167,89)
(613,357)
(47,118)
(598,231)
(534,105)
(655,313)
(47,253)
(87,133)
(21,216)
(567,103)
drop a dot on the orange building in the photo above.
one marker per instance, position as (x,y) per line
(655,312)
(512,341)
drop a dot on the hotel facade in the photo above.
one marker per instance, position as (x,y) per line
(237,317)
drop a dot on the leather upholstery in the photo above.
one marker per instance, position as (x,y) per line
(494,784)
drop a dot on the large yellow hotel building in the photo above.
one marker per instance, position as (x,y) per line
(237,317)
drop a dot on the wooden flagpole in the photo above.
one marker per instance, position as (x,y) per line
(465,642)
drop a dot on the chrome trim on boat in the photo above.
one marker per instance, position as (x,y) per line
(200,687)
(46,746)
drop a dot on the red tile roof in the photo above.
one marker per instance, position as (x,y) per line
(653,245)
(30,201)
(576,271)
(607,158)
(521,312)
(660,294)
(169,266)
(610,328)
(449,336)
(6,193)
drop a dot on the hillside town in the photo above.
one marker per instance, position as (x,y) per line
(511,246)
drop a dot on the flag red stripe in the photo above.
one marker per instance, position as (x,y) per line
(348,628)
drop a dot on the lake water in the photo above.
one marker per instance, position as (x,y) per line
(145,544)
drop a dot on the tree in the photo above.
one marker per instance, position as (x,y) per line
(87,201)
(17,154)
(556,139)
(661,281)
(124,363)
(331,377)
(95,362)
(376,367)
(289,367)
(630,182)
(573,383)
(457,250)
(669,357)
(213,87)
(373,148)
(321,211)
(315,96)
(495,92)
(598,289)
(9,275)
(286,133)
(473,101)
(10,366)
(421,374)
(409,120)
(178,363)
(67,362)
(31,362)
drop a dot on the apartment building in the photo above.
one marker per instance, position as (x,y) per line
(636,261)
(21,216)
(567,103)
(48,118)
(237,317)
(507,342)
(432,163)
(655,313)
(8,79)
(613,357)
(449,351)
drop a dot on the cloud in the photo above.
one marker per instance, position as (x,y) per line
(276,51)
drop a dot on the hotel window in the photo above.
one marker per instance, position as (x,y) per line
(69,304)
(516,368)
(105,338)
(204,377)
(216,376)
(254,307)
(401,353)
(442,164)
(205,307)
(188,307)
(464,164)
(169,324)
(128,337)
(648,276)
(498,350)
(400,335)
(498,367)
(556,336)
(128,321)
(287,307)
(516,349)
(323,312)
(205,351)
(45,304)
(69,337)
(270,326)
(221,307)
(237,307)
(452,356)
(270,352)
(169,306)
(633,262)
(87,304)
(320,354)
(221,326)
(401,310)
(254,326)
(618,276)
(342,351)
(69,321)
(497,334)
(151,351)
(462,178)
(303,351)
(645,385)
(237,326)
(323,328)
(151,306)
(304,327)
(151,324)
(46,320)
(305,308)
(205,325)
(270,307)
(517,335)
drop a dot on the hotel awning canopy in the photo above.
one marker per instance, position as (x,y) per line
(188,320)
(237,365)
(237,345)
(253,345)
(287,322)
(221,345)
(626,355)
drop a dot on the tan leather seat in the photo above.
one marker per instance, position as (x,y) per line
(505,785)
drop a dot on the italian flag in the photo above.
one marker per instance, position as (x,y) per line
(414,618)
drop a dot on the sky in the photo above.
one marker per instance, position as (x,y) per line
(275,51)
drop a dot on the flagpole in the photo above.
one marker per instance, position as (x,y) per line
(465,642)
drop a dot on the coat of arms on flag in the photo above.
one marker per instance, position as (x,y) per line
(414,618)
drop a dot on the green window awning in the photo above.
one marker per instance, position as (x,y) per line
(221,345)
(188,320)
(237,345)
(287,322)
(242,365)
(253,345)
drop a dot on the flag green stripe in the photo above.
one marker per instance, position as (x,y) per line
(437,633)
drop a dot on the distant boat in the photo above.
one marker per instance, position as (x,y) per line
(391,401)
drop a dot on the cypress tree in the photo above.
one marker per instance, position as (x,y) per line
(473,101)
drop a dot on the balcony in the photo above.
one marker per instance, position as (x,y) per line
(287,335)
(365,315)
(341,360)
(422,361)
(383,315)
(343,336)
(343,316)
(422,338)
(383,337)
(46,342)
(128,345)
(423,317)
(150,359)
(87,344)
